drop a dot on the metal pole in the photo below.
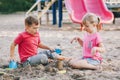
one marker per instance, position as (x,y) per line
(54,13)
(60,12)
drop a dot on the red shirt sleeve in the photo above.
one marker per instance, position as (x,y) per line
(18,39)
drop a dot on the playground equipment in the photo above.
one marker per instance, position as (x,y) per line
(41,12)
(46,8)
(78,8)
(38,4)
(114,6)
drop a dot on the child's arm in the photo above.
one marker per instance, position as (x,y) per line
(60,57)
(12,49)
(80,41)
(100,48)
(41,45)
(77,39)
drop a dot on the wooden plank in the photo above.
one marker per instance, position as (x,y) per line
(46,9)
(32,7)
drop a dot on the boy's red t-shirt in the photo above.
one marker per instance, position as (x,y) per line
(27,45)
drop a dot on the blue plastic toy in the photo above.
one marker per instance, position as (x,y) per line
(58,51)
(13,64)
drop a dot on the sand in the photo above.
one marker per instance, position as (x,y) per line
(51,35)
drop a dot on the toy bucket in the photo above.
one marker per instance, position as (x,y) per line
(13,64)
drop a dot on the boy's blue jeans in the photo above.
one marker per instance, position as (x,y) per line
(42,57)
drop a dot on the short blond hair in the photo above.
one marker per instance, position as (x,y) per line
(92,19)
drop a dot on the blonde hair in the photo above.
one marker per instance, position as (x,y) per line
(92,19)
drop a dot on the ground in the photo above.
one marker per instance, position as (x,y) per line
(51,35)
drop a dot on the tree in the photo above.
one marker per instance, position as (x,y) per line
(9,6)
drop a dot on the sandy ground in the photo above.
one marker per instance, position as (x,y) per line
(51,35)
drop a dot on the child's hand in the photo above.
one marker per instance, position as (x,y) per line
(94,50)
(12,58)
(51,49)
(75,39)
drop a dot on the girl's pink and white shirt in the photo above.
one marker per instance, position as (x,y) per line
(90,41)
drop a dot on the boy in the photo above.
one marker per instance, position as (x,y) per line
(28,42)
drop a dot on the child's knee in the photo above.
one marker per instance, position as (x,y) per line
(44,59)
(38,59)
(73,65)
(49,54)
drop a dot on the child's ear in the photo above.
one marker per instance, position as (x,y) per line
(98,20)
(94,25)
(26,26)
(81,27)
(99,27)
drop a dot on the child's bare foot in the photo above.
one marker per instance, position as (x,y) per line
(67,59)
(50,60)
(99,68)
(61,58)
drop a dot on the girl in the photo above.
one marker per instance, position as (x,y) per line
(92,44)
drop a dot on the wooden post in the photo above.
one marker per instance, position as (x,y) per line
(39,6)
(47,17)
(40,19)
(39,11)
